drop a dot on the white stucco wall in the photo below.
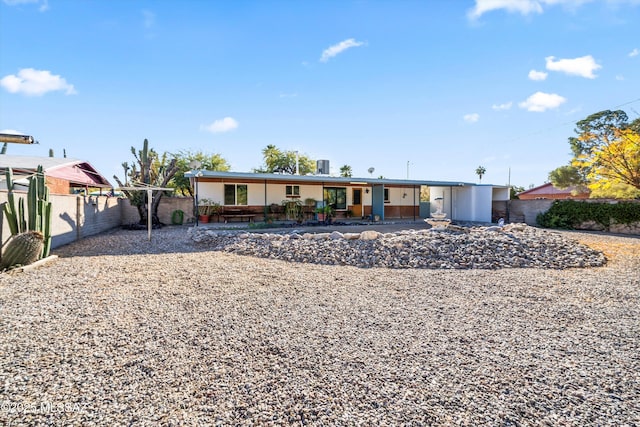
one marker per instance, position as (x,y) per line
(397,196)
(464,203)
(482,201)
(276,193)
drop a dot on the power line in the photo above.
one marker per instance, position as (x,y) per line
(573,122)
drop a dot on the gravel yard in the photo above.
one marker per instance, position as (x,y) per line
(122,331)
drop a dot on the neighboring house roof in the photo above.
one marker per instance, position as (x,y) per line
(77,172)
(320,179)
(548,191)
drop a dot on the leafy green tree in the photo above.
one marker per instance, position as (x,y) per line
(568,176)
(150,170)
(345,171)
(278,161)
(597,130)
(514,191)
(480,171)
(606,156)
(210,162)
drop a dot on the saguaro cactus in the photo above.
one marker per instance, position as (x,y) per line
(36,216)
(22,249)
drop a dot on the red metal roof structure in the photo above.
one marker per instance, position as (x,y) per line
(548,191)
(62,174)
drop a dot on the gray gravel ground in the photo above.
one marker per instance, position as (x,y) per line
(121,331)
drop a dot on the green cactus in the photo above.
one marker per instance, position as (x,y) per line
(22,249)
(10,206)
(36,216)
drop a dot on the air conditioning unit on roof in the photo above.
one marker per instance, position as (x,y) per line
(322,167)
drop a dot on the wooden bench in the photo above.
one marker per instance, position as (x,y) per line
(229,215)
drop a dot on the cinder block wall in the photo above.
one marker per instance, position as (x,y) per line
(165,210)
(520,210)
(74,217)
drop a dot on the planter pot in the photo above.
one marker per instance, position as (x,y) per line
(320,217)
(203,218)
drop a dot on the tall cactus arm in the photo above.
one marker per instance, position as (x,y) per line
(40,181)
(32,204)
(22,222)
(10,208)
(46,229)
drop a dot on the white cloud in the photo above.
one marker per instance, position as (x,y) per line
(540,102)
(222,125)
(501,107)
(583,66)
(332,51)
(288,95)
(524,7)
(634,52)
(12,132)
(537,75)
(471,118)
(619,77)
(35,83)
(43,4)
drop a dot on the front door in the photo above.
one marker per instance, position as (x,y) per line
(357,202)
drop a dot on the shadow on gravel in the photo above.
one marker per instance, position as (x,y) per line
(175,239)
(168,239)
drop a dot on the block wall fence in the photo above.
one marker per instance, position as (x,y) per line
(75,217)
(527,211)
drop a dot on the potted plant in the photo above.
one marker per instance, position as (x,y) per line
(292,209)
(203,210)
(309,207)
(215,208)
(324,213)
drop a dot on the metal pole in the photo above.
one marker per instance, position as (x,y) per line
(414,202)
(149,214)
(195,200)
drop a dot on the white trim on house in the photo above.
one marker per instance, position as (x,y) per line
(462,201)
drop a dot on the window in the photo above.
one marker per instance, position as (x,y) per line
(235,194)
(336,197)
(386,196)
(292,191)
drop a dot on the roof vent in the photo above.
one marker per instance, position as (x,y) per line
(322,167)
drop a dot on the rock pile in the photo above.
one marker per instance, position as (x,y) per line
(512,246)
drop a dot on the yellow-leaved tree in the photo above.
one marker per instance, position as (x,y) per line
(606,156)
(614,168)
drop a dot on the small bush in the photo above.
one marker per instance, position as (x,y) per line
(568,214)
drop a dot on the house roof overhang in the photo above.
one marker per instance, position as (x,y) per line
(318,179)
(77,172)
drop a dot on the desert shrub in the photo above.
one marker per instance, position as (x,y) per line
(568,214)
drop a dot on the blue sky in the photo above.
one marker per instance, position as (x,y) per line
(431,88)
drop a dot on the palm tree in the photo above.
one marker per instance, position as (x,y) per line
(345,171)
(480,171)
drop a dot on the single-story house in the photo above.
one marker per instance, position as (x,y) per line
(548,191)
(259,194)
(63,175)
